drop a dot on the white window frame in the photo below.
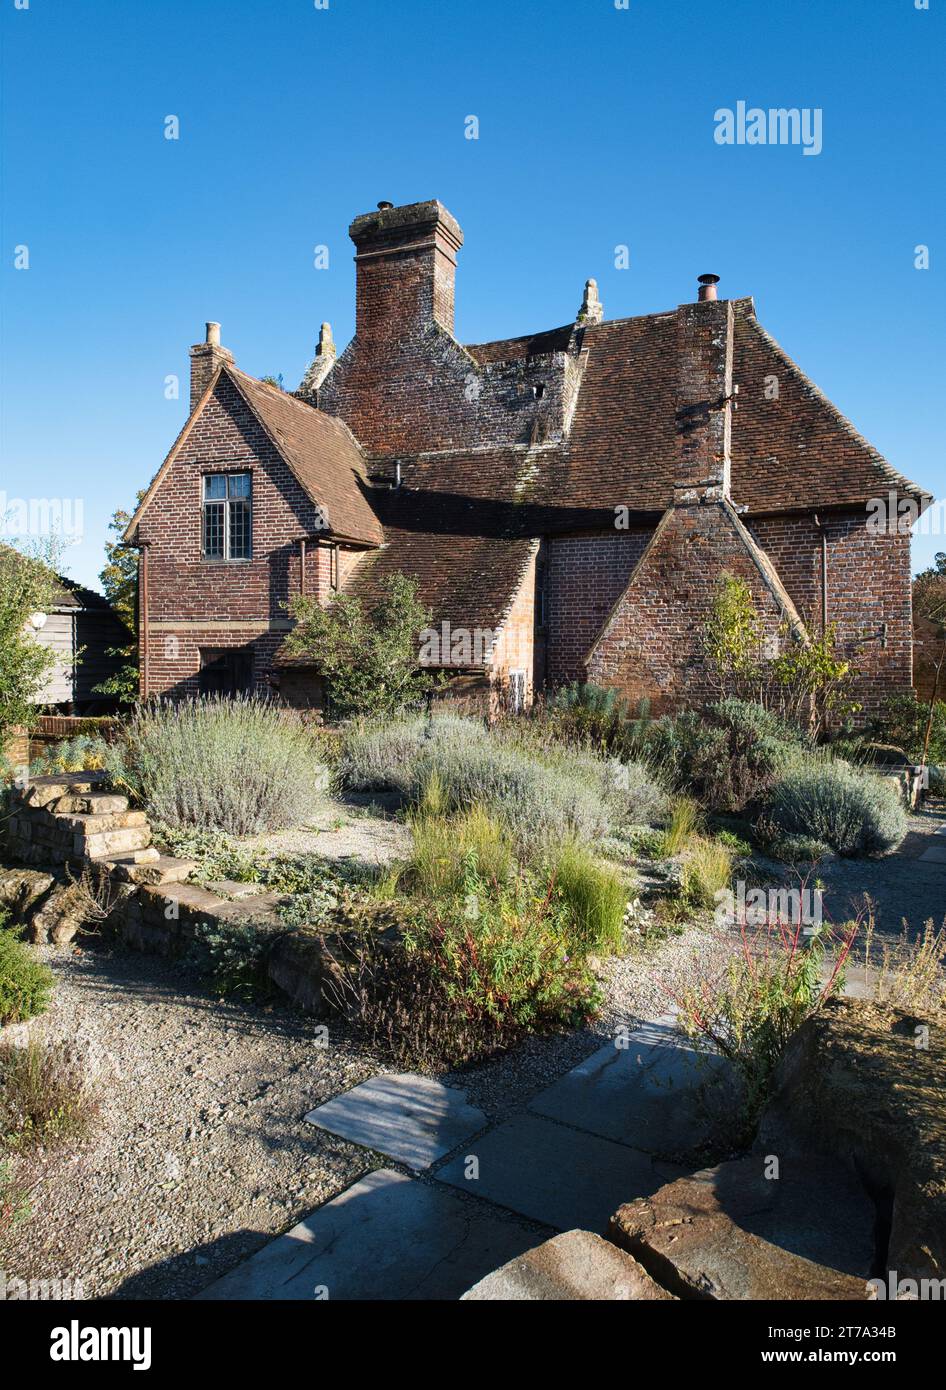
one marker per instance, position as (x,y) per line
(226,503)
(518,684)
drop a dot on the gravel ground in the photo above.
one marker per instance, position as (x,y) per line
(347,833)
(199,1153)
(900,885)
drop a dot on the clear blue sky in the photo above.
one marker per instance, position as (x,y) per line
(596,129)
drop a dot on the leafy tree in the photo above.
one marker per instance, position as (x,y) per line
(929,601)
(807,681)
(27,585)
(734,638)
(120,582)
(368,654)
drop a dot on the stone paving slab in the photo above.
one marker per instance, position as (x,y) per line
(562,1177)
(936,854)
(386,1237)
(407,1117)
(645,1094)
(575,1266)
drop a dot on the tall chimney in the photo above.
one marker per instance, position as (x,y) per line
(705,346)
(406,260)
(206,357)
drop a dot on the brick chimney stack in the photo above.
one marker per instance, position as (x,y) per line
(206,357)
(704,399)
(406,260)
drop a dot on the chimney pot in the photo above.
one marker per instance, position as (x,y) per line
(206,357)
(707,285)
(383,205)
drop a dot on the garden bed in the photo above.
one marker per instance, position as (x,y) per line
(200,1153)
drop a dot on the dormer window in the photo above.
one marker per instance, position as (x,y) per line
(228,516)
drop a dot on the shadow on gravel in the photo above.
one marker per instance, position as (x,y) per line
(192,1270)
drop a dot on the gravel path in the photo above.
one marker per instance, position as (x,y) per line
(901,886)
(200,1153)
(347,833)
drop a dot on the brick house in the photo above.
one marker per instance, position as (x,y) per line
(566,500)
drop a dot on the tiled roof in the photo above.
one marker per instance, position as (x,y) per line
(322,453)
(320,449)
(461,524)
(796,451)
(532,345)
(69,593)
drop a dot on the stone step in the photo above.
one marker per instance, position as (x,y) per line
(97,804)
(54,786)
(744,1231)
(148,855)
(96,824)
(159,868)
(103,843)
(187,902)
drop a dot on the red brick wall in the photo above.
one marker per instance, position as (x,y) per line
(652,648)
(193,602)
(404,385)
(868,585)
(586,575)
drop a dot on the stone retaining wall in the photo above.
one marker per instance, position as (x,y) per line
(97,857)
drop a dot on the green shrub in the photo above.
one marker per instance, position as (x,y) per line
(902,721)
(507,962)
(240,765)
(25,983)
(82,753)
(367,653)
(725,755)
(853,811)
(767,995)
(44,1097)
(594,898)
(234,957)
(799,849)
(739,846)
(383,755)
(545,792)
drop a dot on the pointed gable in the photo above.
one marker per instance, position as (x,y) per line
(320,452)
(651,645)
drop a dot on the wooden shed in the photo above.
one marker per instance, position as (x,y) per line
(82,629)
